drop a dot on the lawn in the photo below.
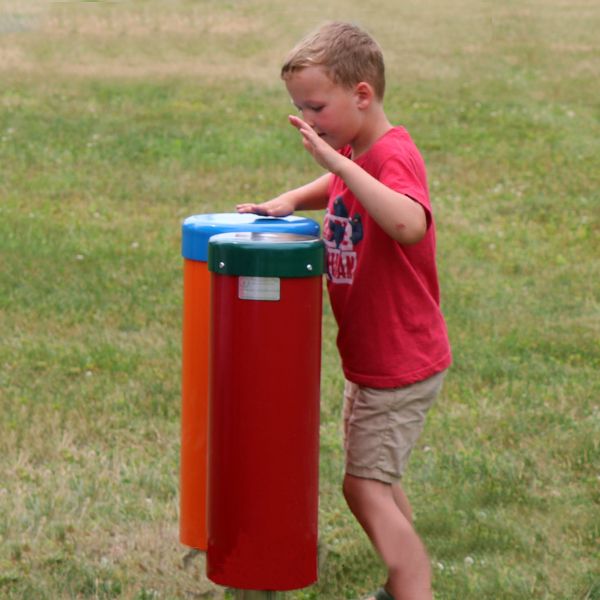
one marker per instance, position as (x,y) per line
(120,119)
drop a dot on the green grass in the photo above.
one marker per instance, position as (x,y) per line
(118,120)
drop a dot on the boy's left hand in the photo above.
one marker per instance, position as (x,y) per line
(320,150)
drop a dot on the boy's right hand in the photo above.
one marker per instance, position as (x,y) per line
(278,207)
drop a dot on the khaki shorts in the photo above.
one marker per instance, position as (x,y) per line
(381,427)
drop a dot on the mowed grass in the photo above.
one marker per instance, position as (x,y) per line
(118,120)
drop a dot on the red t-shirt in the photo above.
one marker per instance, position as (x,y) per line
(384,295)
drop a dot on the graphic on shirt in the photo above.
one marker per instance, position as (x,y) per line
(341,235)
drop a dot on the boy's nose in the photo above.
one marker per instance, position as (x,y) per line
(308,119)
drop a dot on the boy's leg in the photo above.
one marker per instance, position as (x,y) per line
(374,505)
(402,502)
(380,429)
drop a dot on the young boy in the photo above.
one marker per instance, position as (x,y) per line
(382,281)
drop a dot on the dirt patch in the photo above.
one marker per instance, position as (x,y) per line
(14,59)
(116,22)
(154,553)
(107,41)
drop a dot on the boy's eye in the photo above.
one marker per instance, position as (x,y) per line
(312,107)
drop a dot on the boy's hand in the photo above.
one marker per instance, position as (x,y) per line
(278,207)
(320,150)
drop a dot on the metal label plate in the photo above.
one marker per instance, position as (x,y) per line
(259,288)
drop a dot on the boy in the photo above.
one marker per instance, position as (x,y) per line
(382,281)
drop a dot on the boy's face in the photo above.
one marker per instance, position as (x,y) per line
(329,108)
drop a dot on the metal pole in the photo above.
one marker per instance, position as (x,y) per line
(257,595)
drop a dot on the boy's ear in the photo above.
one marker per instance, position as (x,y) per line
(364,94)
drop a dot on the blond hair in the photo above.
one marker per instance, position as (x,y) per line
(348,54)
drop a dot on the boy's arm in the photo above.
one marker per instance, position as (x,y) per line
(312,196)
(401,217)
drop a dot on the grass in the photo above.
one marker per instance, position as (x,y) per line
(118,120)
